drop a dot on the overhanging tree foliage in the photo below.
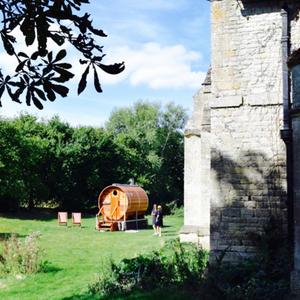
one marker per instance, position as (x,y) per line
(40,75)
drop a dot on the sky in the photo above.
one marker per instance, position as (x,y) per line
(165,45)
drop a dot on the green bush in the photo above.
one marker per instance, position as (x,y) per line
(183,269)
(173,209)
(175,263)
(16,258)
(241,282)
(265,277)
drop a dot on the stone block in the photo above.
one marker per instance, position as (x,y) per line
(245,212)
(252,220)
(222,102)
(295,284)
(237,204)
(231,212)
(250,204)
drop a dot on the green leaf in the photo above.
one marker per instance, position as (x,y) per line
(7,45)
(59,40)
(83,62)
(51,95)
(13,96)
(97,32)
(65,75)
(60,55)
(27,27)
(21,65)
(22,54)
(60,89)
(64,29)
(83,82)
(50,56)
(37,102)
(48,89)
(96,82)
(28,97)
(14,22)
(98,58)
(30,37)
(40,93)
(112,69)
(35,55)
(63,66)
(2,88)
(60,79)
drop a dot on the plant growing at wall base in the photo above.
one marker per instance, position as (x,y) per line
(176,263)
(262,277)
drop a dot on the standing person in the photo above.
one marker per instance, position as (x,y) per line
(159,219)
(153,214)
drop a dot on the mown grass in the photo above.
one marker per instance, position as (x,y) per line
(74,254)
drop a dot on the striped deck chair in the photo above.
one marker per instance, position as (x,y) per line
(76,219)
(63,219)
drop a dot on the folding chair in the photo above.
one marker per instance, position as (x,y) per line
(63,219)
(76,219)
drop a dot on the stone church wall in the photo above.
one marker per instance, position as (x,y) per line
(235,169)
(197,172)
(248,156)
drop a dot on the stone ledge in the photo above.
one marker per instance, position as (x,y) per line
(200,231)
(264,99)
(188,132)
(223,102)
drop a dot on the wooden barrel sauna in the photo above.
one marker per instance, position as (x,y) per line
(122,202)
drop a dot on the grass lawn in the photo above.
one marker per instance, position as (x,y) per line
(75,254)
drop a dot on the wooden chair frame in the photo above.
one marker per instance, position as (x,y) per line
(76,220)
(62,219)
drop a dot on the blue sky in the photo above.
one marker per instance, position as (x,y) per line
(165,45)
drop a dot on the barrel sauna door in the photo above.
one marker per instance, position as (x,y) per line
(122,207)
(106,205)
(118,201)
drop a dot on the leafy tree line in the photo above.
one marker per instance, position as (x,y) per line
(50,163)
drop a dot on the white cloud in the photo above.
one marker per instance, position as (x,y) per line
(159,41)
(157,66)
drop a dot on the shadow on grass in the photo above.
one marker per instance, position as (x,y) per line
(39,214)
(6,235)
(158,294)
(169,233)
(80,297)
(47,267)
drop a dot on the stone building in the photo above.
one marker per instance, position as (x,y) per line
(239,139)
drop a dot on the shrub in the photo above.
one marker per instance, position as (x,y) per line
(173,208)
(180,268)
(265,277)
(16,258)
(241,282)
(175,263)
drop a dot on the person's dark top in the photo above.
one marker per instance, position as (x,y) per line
(154,216)
(159,217)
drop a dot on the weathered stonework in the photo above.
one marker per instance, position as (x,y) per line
(235,159)
(197,172)
(295,276)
